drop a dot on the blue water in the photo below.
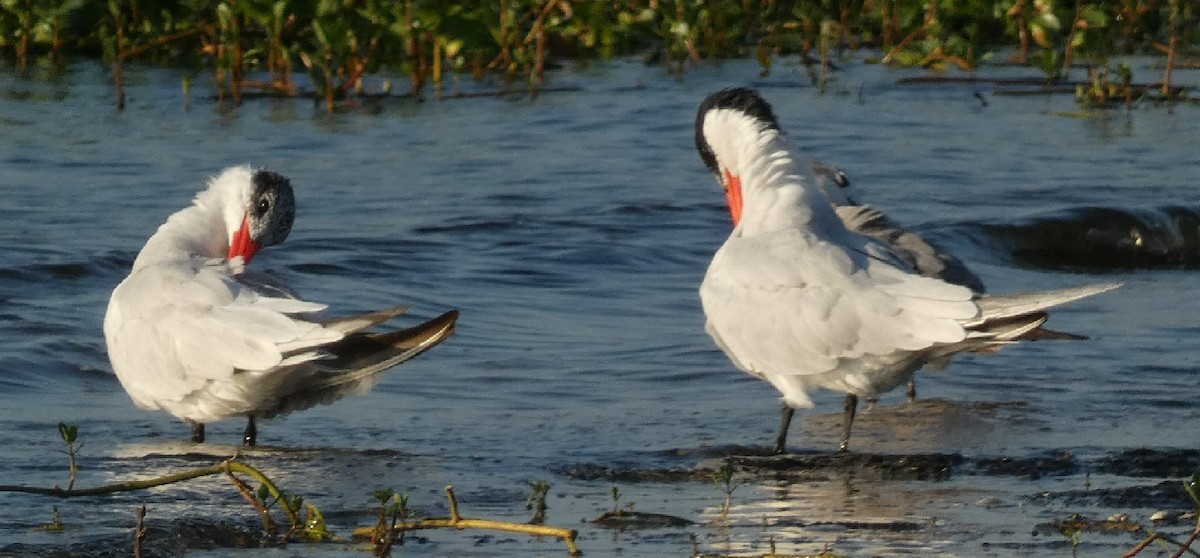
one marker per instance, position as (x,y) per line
(572,231)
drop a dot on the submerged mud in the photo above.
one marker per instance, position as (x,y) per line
(162,538)
(1141,463)
(810,496)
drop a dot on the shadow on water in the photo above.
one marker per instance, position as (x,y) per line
(1101,239)
(793,502)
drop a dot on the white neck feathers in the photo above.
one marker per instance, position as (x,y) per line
(779,191)
(205,228)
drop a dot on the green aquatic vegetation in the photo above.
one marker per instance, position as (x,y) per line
(537,501)
(723,478)
(312,527)
(70,434)
(1073,531)
(56,523)
(338,50)
(458,522)
(393,509)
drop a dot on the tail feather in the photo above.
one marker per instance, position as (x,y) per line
(993,308)
(356,363)
(1043,334)
(353,324)
(361,355)
(1010,329)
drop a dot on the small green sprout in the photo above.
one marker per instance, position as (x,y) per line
(537,501)
(723,478)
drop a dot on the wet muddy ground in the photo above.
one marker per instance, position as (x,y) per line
(673,502)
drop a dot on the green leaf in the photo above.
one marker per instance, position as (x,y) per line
(69,433)
(263,493)
(382,496)
(1095,16)
(1047,20)
(224,15)
(314,525)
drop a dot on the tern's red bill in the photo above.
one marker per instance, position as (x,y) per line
(733,193)
(242,245)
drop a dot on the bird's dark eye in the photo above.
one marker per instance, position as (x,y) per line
(262,207)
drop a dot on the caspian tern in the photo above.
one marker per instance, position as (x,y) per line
(795,298)
(191,333)
(923,256)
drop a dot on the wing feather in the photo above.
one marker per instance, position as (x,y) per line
(792,304)
(173,330)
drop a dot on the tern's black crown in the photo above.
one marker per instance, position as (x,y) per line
(741,99)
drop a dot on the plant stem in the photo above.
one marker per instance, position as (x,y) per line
(244,490)
(139,532)
(1186,546)
(456,521)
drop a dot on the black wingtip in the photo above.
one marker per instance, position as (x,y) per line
(741,99)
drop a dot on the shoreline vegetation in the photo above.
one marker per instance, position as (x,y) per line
(333,50)
(304,521)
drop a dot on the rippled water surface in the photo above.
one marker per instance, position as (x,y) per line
(572,232)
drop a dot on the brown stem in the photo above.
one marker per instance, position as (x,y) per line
(359,65)
(505,48)
(118,71)
(1141,546)
(1186,546)
(437,64)
(414,51)
(244,490)
(26,31)
(74,466)
(456,521)
(886,22)
(166,39)
(904,42)
(139,532)
(1068,50)
(238,54)
(454,516)
(126,486)
(1166,85)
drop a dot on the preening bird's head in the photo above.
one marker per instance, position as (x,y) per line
(257,206)
(732,127)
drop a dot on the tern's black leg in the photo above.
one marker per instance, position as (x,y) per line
(912,390)
(250,438)
(848,417)
(198,432)
(785,420)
